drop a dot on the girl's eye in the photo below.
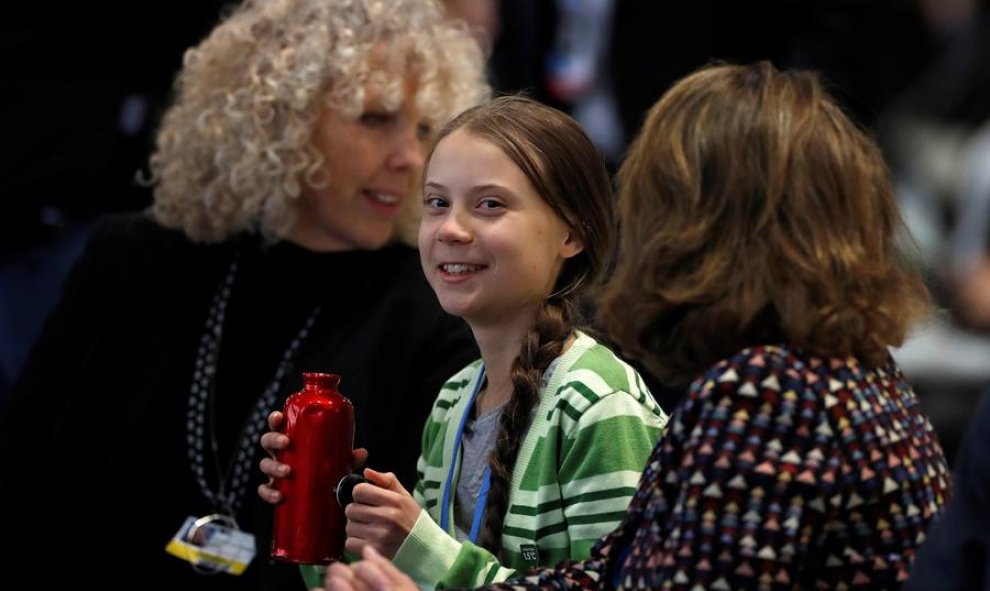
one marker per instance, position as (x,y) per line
(490,204)
(434,202)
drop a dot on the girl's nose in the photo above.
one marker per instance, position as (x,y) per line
(453,230)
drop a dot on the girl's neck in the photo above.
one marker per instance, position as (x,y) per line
(500,343)
(500,339)
(499,346)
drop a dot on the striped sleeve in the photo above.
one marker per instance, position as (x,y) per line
(602,459)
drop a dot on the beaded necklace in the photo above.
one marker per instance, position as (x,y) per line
(200,415)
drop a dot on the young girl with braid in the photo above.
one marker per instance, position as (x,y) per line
(534,451)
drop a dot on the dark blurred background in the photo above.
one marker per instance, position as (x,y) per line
(84,85)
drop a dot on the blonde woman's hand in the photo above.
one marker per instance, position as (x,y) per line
(274,441)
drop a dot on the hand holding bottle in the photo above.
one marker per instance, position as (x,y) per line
(274,441)
(381,515)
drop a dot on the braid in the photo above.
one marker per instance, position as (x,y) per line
(542,345)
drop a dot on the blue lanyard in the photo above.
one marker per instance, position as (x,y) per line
(479,507)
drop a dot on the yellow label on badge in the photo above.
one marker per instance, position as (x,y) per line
(210,544)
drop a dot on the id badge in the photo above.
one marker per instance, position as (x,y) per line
(213,544)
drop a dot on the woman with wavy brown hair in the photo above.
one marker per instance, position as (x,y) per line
(760,267)
(770,218)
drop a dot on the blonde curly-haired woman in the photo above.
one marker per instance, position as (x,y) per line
(282,176)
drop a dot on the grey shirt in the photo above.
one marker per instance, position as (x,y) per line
(477,443)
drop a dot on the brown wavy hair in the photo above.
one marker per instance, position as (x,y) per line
(752,210)
(569,173)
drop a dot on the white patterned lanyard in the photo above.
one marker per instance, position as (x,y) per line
(201,407)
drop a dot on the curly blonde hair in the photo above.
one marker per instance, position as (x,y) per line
(234,149)
(754,211)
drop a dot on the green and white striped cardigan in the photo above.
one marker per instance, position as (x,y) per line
(577,470)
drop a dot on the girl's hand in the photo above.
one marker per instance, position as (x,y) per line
(374,573)
(382,514)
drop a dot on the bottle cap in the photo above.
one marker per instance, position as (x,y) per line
(345,489)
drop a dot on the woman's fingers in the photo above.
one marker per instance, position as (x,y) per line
(340,577)
(373,573)
(380,574)
(273,469)
(268,493)
(273,441)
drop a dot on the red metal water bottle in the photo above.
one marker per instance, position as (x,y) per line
(309,524)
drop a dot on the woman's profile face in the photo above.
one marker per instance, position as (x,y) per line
(373,163)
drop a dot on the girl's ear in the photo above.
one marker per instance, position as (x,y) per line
(572,245)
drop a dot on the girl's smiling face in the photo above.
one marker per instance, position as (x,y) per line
(490,246)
